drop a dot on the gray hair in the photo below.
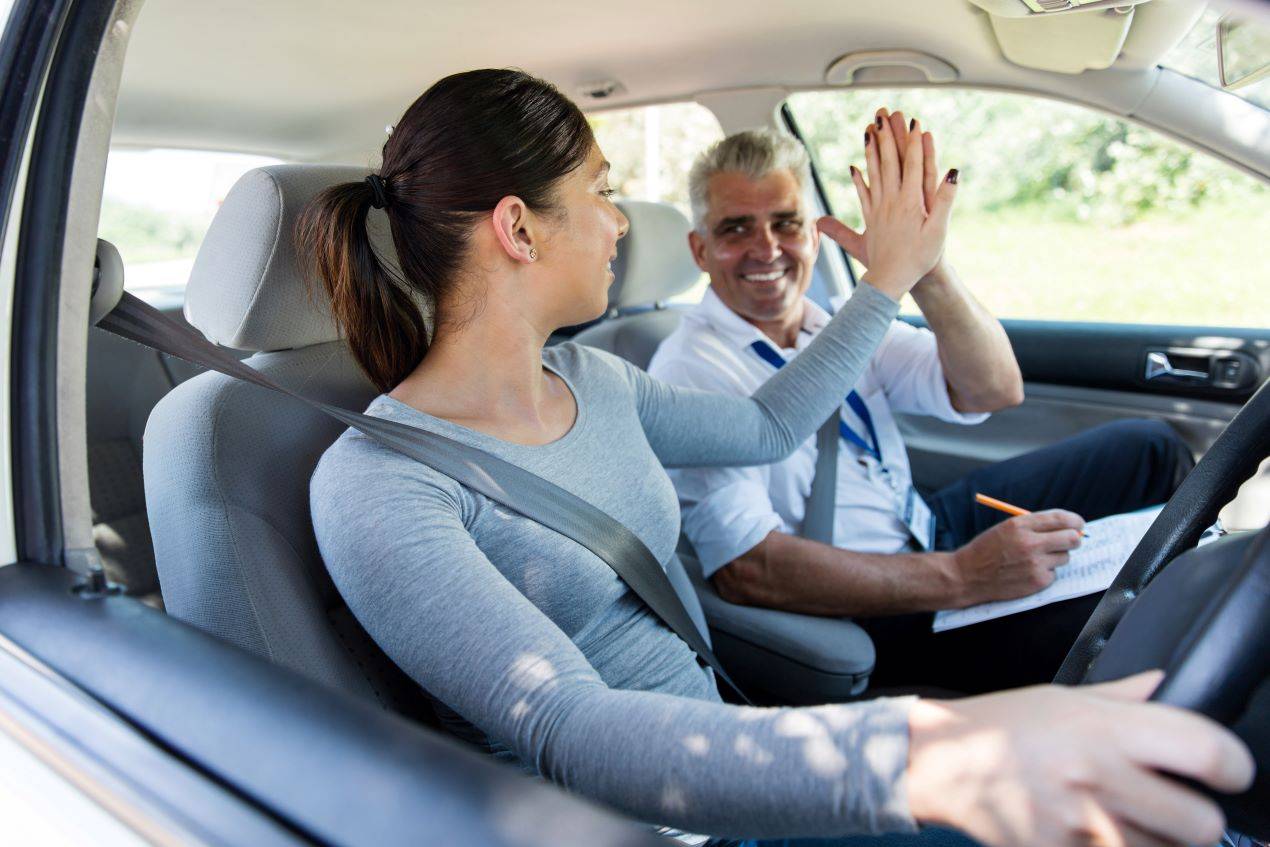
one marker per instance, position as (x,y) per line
(755,153)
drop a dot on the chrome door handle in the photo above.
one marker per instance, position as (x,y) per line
(1158,365)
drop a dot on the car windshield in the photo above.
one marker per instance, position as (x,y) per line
(1196,57)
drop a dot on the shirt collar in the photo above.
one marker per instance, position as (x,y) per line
(712,312)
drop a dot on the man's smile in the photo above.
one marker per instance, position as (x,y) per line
(765,278)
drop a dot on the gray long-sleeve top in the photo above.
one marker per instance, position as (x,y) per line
(535,641)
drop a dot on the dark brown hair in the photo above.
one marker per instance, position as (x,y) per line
(468,141)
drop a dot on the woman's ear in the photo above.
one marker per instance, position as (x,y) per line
(513,228)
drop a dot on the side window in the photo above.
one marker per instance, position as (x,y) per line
(157,206)
(1067,214)
(651,150)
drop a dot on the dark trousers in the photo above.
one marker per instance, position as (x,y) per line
(1118,467)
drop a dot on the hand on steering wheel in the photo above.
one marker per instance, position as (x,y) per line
(1072,766)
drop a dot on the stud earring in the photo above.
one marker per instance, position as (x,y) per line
(533,254)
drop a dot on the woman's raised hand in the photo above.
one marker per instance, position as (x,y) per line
(1072,766)
(906,207)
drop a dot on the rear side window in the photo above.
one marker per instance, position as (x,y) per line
(157,206)
(1068,214)
(651,150)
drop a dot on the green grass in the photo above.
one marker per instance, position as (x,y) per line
(1209,266)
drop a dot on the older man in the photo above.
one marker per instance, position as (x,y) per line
(896,556)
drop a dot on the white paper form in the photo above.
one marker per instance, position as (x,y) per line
(1090,569)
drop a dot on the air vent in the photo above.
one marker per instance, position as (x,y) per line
(1053,5)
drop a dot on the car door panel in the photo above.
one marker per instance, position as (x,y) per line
(1078,376)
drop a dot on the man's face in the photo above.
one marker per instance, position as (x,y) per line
(758,246)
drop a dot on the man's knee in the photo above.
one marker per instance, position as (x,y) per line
(1142,432)
(1152,439)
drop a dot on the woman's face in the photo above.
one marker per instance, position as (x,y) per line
(578,251)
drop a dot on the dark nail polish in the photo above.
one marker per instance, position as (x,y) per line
(853,170)
(912,123)
(952,176)
(878,120)
(866,138)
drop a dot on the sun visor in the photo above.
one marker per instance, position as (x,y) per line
(1062,36)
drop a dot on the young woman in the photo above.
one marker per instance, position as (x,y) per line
(503,226)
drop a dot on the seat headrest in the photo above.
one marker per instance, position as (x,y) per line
(653,260)
(246,289)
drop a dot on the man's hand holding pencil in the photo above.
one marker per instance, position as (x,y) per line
(1016,557)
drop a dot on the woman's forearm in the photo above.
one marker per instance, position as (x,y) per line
(702,429)
(742,772)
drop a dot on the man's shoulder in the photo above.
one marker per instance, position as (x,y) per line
(698,356)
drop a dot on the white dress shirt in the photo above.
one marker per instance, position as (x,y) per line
(727,511)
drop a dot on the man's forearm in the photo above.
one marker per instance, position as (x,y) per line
(978,362)
(796,575)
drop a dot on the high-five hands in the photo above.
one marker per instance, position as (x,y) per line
(906,207)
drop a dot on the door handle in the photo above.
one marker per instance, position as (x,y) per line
(1158,365)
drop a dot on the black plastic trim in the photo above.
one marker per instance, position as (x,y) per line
(318,761)
(1212,483)
(120,769)
(37,284)
(25,49)
(25,54)
(791,123)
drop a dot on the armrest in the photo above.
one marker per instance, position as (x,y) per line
(795,658)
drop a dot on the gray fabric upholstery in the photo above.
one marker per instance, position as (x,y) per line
(653,264)
(633,337)
(121,532)
(227,468)
(802,659)
(653,261)
(246,290)
(227,464)
(125,381)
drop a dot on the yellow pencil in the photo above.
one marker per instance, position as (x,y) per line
(1008,508)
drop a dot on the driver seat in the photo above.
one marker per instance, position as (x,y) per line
(227,464)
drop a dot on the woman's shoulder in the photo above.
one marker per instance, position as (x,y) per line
(585,364)
(356,470)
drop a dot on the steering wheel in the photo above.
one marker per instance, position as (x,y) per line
(1212,483)
(1206,621)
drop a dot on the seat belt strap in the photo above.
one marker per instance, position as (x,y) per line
(524,492)
(821,511)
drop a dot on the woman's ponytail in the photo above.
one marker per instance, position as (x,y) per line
(375,310)
(470,140)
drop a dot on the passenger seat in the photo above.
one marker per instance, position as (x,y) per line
(787,657)
(653,265)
